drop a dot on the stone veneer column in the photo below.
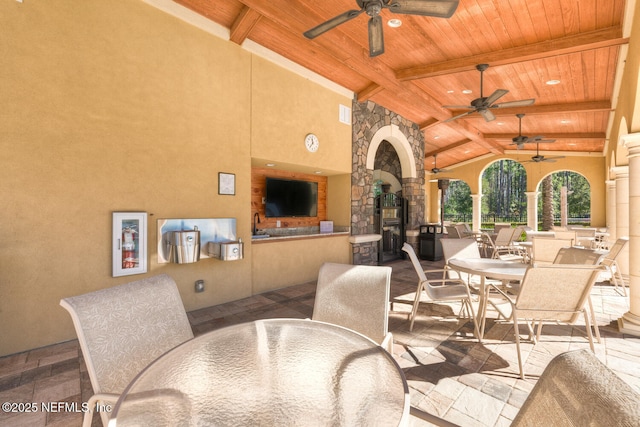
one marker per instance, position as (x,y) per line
(476,212)
(532,209)
(369,118)
(611,210)
(630,321)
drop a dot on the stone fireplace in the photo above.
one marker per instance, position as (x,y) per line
(374,126)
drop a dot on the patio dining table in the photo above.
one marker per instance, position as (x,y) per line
(269,372)
(488,268)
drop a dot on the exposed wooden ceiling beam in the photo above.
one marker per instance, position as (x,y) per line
(605,37)
(243,24)
(576,107)
(556,136)
(447,148)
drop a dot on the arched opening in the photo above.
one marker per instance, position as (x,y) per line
(503,185)
(565,200)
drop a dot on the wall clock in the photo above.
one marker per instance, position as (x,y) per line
(311,142)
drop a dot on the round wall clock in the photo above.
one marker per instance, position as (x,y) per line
(311,142)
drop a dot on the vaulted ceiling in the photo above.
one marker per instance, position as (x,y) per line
(562,53)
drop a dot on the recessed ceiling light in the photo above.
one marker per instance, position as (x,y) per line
(436,137)
(565,121)
(450,91)
(270,165)
(318,172)
(553,82)
(466,91)
(394,23)
(500,123)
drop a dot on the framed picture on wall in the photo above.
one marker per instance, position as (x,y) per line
(129,243)
(226,183)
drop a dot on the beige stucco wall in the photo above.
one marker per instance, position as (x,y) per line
(117,106)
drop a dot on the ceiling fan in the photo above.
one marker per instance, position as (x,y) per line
(436,170)
(520,140)
(436,8)
(483,105)
(538,158)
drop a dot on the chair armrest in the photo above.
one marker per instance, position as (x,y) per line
(504,294)
(93,401)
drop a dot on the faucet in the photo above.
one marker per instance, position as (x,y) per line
(255,228)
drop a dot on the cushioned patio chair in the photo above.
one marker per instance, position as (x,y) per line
(442,289)
(552,293)
(355,297)
(123,329)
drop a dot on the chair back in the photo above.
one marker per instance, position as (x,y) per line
(503,238)
(578,256)
(544,250)
(415,261)
(453,232)
(555,292)
(585,236)
(355,297)
(459,248)
(615,250)
(598,396)
(565,234)
(124,328)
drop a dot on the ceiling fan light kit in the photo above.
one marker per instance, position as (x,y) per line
(433,8)
(483,105)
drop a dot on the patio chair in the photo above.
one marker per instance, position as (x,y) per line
(504,248)
(585,237)
(582,256)
(575,389)
(552,293)
(355,297)
(611,265)
(123,329)
(442,289)
(453,232)
(544,249)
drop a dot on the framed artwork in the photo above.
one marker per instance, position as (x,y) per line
(129,243)
(226,183)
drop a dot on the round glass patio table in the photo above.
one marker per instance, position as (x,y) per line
(488,268)
(276,372)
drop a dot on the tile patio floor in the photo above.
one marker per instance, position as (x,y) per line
(450,374)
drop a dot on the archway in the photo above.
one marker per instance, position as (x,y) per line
(570,199)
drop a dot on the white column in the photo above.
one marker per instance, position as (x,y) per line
(476,211)
(563,207)
(532,209)
(630,322)
(611,209)
(622,213)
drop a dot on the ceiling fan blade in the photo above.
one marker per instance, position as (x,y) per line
(552,159)
(499,93)
(520,103)
(459,115)
(540,140)
(436,8)
(376,36)
(332,23)
(459,107)
(487,114)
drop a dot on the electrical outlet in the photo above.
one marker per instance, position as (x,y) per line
(199,286)
(278,223)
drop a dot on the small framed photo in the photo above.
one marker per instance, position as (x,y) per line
(226,183)
(129,243)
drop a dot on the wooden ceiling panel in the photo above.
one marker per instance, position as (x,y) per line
(429,62)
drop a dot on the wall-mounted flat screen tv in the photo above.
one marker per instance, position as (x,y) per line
(289,198)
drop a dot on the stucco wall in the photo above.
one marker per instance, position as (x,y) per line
(117,106)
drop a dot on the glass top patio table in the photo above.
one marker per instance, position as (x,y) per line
(488,268)
(269,372)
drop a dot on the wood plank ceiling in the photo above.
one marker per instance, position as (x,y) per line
(431,62)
